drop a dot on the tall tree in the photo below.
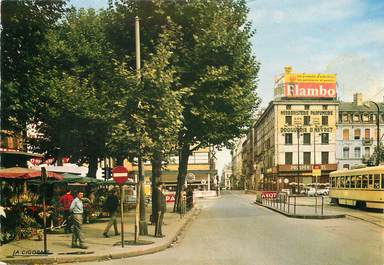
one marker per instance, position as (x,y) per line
(24,27)
(218,66)
(78,70)
(149,119)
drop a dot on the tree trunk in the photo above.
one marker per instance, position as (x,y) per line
(143,229)
(92,167)
(156,174)
(183,167)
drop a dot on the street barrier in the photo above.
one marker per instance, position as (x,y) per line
(284,202)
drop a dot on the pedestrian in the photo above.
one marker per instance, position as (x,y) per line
(161,208)
(66,201)
(77,211)
(189,198)
(111,205)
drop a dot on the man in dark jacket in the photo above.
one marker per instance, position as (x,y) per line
(161,207)
(111,205)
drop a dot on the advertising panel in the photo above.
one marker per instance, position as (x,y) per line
(310,85)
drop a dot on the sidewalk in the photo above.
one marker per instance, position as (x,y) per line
(99,247)
(305,208)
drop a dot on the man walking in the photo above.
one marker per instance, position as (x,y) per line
(66,201)
(111,205)
(77,211)
(161,208)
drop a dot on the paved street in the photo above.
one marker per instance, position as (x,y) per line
(232,230)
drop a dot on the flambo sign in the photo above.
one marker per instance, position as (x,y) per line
(310,85)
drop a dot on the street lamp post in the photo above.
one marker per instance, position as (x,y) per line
(298,160)
(377,133)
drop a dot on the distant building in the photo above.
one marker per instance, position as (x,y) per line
(201,174)
(295,132)
(237,164)
(357,132)
(226,177)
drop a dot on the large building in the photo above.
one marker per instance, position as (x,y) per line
(357,132)
(201,174)
(296,132)
(237,164)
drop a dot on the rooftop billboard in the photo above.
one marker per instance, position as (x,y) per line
(310,85)
(301,85)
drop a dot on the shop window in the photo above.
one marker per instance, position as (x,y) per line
(325,138)
(324,157)
(288,158)
(346,135)
(356,117)
(357,134)
(307,120)
(367,152)
(367,134)
(288,120)
(357,152)
(346,153)
(288,138)
(324,120)
(345,117)
(307,158)
(306,138)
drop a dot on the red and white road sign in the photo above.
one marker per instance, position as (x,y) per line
(268,194)
(170,197)
(120,174)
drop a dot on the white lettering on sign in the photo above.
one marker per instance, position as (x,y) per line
(120,174)
(314,90)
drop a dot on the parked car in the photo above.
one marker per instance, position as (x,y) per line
(323,192)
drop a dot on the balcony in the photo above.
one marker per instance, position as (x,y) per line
(367,141)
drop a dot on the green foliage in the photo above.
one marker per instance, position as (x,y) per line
(77,81)
(24,27)
(151,116)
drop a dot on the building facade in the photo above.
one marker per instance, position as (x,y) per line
(237,164)
(357,130)
(297,132)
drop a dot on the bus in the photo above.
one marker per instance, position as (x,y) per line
(362,187)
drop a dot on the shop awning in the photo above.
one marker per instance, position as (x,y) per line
(26,173)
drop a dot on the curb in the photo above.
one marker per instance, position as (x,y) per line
(360,218)
(156,247)
(302,216)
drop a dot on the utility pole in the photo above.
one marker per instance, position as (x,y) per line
(298,160)
(143,228)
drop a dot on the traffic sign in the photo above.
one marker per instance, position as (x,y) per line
(120,174)
(316,170)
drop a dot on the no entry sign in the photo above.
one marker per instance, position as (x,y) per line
(120,174)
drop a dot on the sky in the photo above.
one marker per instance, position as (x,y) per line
(344,37)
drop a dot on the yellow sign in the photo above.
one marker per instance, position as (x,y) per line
(316,172)
(310,78)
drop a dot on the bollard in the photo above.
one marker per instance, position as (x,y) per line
(294,206)
(289,202)
(322,205)
(316,203)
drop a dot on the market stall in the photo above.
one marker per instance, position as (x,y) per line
(21,207)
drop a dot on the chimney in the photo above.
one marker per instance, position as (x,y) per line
(358,99)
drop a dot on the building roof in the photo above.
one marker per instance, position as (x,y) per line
(350,106)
